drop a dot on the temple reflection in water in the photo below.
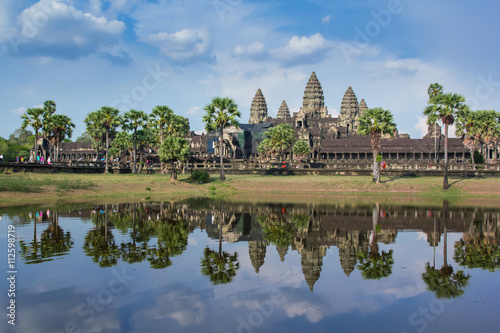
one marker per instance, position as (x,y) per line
(157,232)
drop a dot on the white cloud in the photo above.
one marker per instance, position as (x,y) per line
(253,49)
(313,312)
(303,49)
(54,28)
(326,19)
(18,111)
(182,45)
(192,111)
(405,65)
(421,126)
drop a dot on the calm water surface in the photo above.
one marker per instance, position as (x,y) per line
(206,266)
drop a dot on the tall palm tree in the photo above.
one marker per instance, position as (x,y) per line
(376,122)
(131,121)
(221,113)
(34,118)
(445,107)
(49,108)
(434,90)
(60,126)
(95,130)
(489,129)
(110,120)
(468,128)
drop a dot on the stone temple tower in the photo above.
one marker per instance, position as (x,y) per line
(361,109)
(349,111)
(258,110)
(314,102)
(284,111)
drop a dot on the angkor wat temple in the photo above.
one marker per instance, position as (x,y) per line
(330,138)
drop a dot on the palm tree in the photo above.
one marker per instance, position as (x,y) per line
(49,108)
(376,122)
(301,149)
(489,129)
(93,124)
(110,120)
(60,127)
(434,90)
(445,107)
(280,138)
(221,113)
(34,118)
(131,121)
(467,126)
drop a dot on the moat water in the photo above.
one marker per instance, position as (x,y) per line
(201,265)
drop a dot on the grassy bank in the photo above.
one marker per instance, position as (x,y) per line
(22,189)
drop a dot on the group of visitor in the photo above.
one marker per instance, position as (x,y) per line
(22,159)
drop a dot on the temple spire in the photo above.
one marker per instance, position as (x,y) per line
(314,101)
(349,110)
(258,110)
(284,111)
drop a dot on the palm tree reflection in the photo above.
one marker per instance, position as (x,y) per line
(444,282)
(372,264)
(220,266)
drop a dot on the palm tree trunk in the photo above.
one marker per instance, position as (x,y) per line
(36,146)
(173,174)
(376,172)
(445,180)
(161,142)
(221,141)
(135,151)
(472,158)
(107,146)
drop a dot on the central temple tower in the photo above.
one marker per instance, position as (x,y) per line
(314,102)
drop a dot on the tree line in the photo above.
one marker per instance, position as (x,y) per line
(166,132)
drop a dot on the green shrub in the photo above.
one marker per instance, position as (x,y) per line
(199,176)
(478,157)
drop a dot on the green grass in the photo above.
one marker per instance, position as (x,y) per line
(32,184)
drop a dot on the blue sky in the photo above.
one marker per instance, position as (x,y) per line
(139,54)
